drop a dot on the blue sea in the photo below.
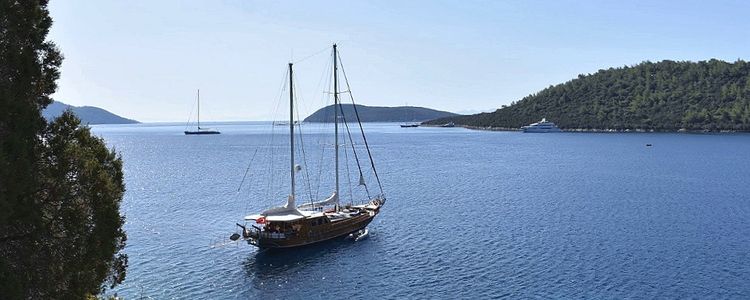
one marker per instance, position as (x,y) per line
(470,214)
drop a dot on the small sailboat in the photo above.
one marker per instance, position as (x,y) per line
(292,225)
(201,130)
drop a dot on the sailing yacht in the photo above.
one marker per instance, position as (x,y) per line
(201,130)
(292,225)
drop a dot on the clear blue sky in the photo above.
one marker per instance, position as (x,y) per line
(144,59)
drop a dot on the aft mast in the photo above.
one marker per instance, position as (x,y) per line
(291,131)
(336,120)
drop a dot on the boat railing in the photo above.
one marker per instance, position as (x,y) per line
(256,233)
(273,235)
(379,199)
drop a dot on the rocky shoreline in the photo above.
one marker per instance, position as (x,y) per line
(586,130)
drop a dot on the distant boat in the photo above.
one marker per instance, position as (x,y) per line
(541,126)
(201,130)
(284,123)
(410,124)
(449,124)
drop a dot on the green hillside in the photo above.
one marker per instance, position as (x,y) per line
(663,96)
(379,114)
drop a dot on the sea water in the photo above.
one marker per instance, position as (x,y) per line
(469,214)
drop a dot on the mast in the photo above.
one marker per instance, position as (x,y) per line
(291,127)
(199,109)
(336,119)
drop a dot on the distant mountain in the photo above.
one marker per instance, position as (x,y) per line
(87,114)
(663,96)
(380,114)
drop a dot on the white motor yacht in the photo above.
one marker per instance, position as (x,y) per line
(541,126)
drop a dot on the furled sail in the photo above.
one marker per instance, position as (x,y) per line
(332,200)
(288,208)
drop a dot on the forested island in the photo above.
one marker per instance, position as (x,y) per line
(379,114)
(669,95)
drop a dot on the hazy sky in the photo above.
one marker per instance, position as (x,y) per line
(145,59)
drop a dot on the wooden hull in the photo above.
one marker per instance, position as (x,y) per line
(311,235)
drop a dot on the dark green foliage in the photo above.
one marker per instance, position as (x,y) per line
(84,186)
(379,114)
(667,96)
(28,70)
(60,187)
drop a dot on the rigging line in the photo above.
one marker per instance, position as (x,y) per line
(190,116)
(271,177)
(249,185)
(362,130)
(348,175)
(269,143)
(324,83)
(351,141)
(325,76)
(302,146)
(311,55)
(304,162)
(325,99)
(320,172)
(247,170)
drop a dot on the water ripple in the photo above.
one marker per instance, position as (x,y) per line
(470,215)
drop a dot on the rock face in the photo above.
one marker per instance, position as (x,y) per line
(379,114)
(87,114)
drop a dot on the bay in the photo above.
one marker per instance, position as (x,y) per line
(469,214)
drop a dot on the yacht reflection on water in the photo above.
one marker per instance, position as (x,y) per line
(269,268)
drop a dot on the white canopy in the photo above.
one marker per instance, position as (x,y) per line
(275,218)
(282,217)
(290,213)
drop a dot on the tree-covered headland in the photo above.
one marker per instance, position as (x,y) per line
(662,96)
(61,230)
